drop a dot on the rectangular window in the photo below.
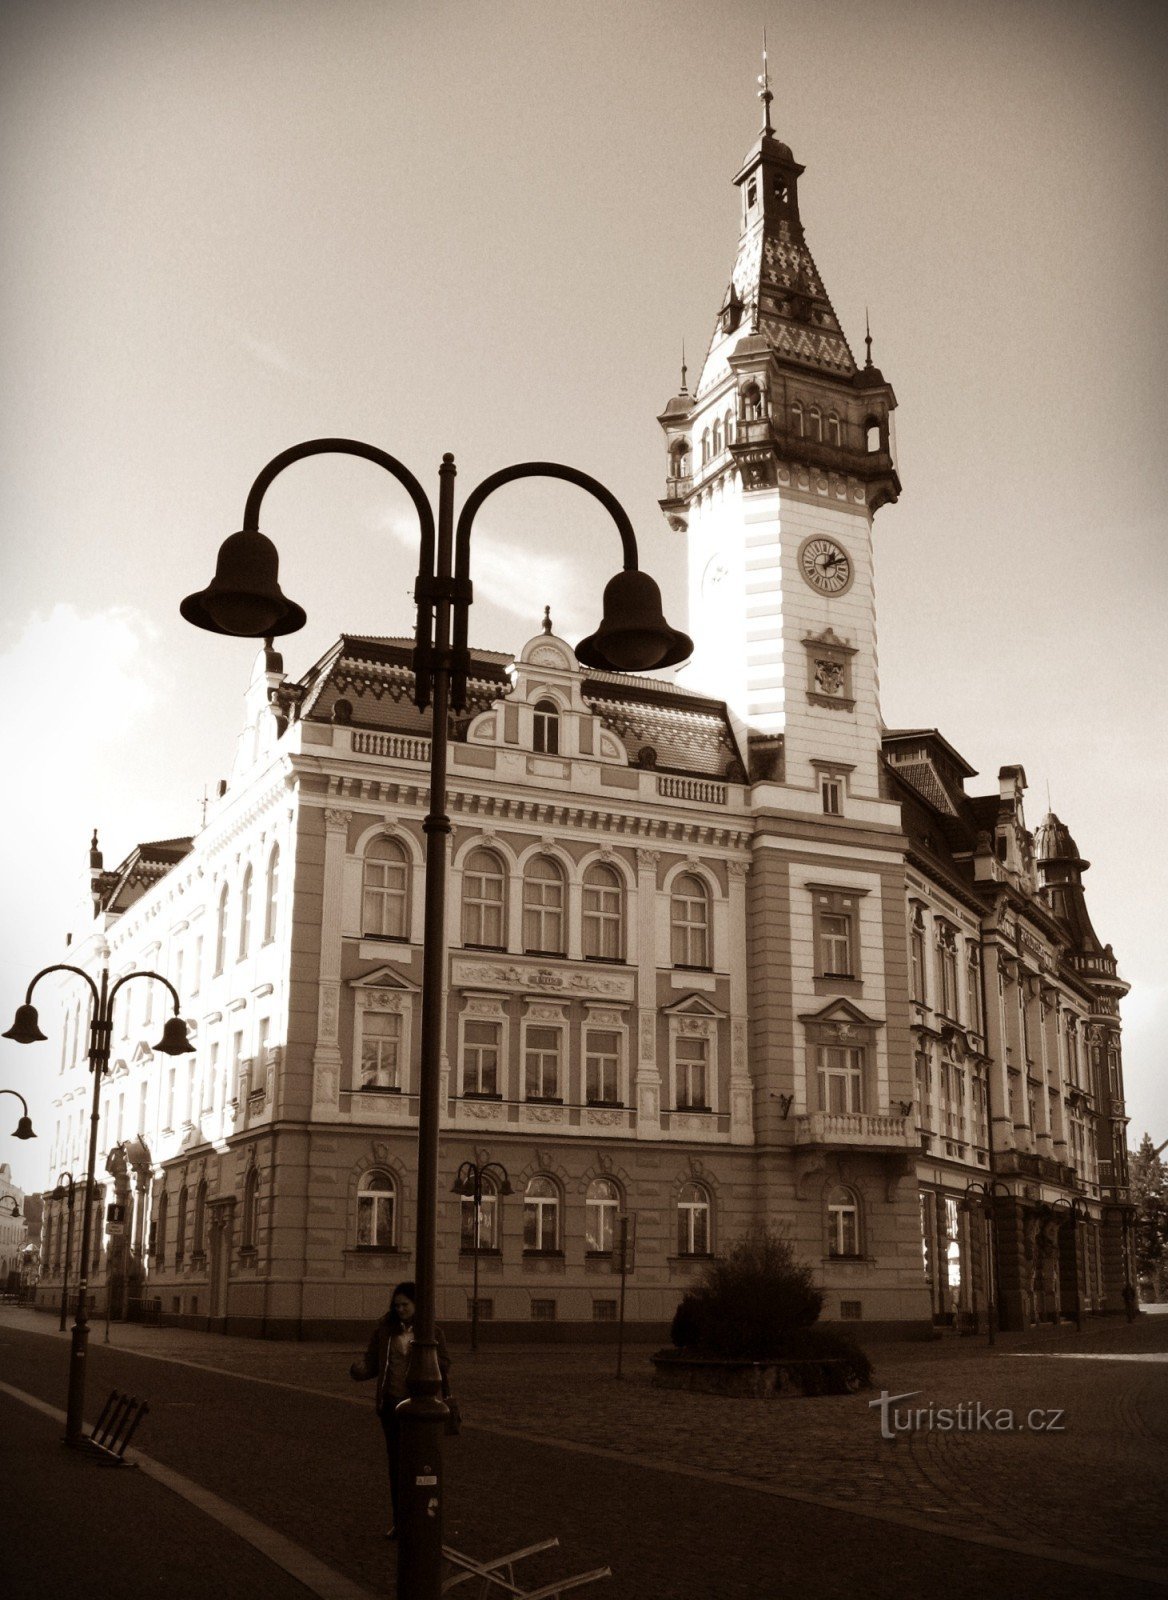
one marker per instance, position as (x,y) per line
(381,1033)
(917,964)
(831,792)
(835,931)
(143,1091)
(236,1063)
(851,1310)
(691,1059)
(197,965)
(486,1309)
(602,1067)
(973,987)
(178,971)
(604,1311)
(543,1311)
(947,967)
(841,1078)
(480,1057)
(171,1077)
(542,1063)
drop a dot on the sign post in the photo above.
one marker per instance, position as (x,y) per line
(625,1252)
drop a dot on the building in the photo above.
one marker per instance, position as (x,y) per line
(724,951)
(13,1233)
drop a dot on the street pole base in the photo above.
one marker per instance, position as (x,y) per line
(419,1527)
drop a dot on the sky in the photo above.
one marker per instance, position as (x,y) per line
(231,225)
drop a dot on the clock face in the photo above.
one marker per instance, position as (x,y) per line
(825,565)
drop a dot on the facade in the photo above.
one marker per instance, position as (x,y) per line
(723,951)
(13,1233)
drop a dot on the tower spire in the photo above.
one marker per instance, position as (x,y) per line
(683,389)
(764,93)
(868,337)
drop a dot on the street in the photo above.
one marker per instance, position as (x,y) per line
(681,1495)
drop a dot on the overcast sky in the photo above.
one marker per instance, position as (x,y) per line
(231,225)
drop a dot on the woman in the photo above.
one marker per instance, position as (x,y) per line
(387,1359)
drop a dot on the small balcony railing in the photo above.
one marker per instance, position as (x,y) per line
(871,1130)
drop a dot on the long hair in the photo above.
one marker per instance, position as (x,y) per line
(410,1290)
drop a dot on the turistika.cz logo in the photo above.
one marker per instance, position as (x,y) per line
(969,1416)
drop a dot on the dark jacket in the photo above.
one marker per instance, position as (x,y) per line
(374,1362)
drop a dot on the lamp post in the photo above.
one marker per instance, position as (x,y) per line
(66,1190)
(9,1200)
(244,599)
(469,1184)
(1076,1212)
(981,1191)
(174,1042)
(23,1129)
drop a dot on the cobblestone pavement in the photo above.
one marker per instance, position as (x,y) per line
(1094,1489)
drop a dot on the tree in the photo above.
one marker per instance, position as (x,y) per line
(1149,1192)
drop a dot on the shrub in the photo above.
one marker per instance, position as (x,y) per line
(750,1302)
(828,1344)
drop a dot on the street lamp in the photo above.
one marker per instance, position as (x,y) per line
(9,1200)
(24,1128)
(469,1184)
(1076,1212)
(174,1042)
(245,599)
(66,1190)
(984,1189)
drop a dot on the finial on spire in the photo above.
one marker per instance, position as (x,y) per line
(764,92)
(684,369)
(867,337)
(547,619)
(95,858)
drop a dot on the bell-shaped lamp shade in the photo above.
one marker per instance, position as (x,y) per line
(634,635)
(244,597)
(26,1028)
(463,1186)
(505,1187)
(174,1041)
(24,1129)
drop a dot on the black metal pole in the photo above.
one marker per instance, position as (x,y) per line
(620,1327)
(419,1565)
(99,1037)
(474,1305)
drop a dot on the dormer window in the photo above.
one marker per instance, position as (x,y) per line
(546,728)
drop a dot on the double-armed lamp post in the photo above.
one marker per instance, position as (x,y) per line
(244,599)
(469,1184)
(981,1192)
(1075,1210)
(174,1042)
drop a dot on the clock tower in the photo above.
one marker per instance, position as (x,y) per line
(777,463)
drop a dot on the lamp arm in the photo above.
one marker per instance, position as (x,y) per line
(158,978)
(19,1096)
(60,966)
(470,509)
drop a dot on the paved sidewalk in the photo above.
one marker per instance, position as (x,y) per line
(1090,1494)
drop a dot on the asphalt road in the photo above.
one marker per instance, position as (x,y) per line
(312,1467)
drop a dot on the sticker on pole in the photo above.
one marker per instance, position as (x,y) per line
(427,1481)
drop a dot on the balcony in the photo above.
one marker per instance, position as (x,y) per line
(855,1129)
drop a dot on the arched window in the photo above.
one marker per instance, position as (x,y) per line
(717,436)
(601,1207)
(221,931)
(752,402)
(728,428)
(797,420)
(872,435)
(180,1235)
(603,913)
(161,1218)
(679,459)
(488,1219)
(385,891)
(843,1223)
(543,908)
(484,885)
(541,1216)
(815,418)
(251,1209)
(376,1210)
(833,430)
(245,912)
(689,918)
(706,448)
(693,1221)
(198,1231)
(546,728)
(271,894)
